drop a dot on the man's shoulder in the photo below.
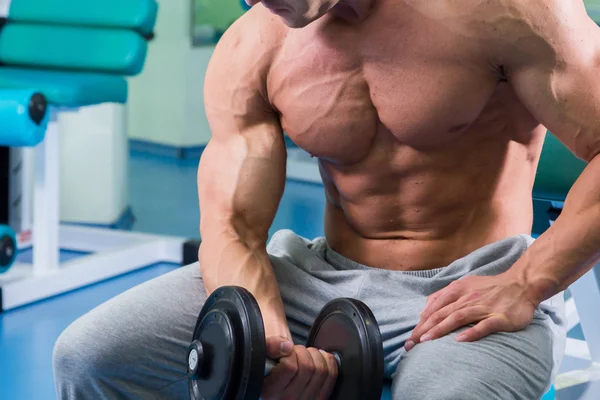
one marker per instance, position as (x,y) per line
(488,19)
(241,61)
(515,17)
(515,29)
(514,9)
(255,35)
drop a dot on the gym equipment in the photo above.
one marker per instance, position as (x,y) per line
(227,358)
(245,5)
(557,171)
(137,15)
(190,251)
(24,116)
(8,248)
(67,89)
(73,48)
(13,205)
(70,81)
(347,328)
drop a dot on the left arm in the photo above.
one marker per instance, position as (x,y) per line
(551,55)
(562,90)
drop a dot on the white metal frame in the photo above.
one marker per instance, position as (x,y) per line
(112,253)
(582,307)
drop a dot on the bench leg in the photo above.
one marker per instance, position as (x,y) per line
(46,201)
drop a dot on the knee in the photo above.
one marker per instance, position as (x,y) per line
(495,369)
(429,384)
(79,356)
(68,359)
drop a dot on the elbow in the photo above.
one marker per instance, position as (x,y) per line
(592,155)
(588,150)
(588,153)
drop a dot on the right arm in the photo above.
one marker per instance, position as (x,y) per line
(240,183)
(241,177)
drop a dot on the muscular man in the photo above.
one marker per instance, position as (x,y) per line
(428,118)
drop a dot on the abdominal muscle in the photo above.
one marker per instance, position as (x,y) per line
(408,210)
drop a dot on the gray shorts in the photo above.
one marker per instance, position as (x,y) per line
(134,346)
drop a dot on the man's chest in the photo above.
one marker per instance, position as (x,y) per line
(336,89)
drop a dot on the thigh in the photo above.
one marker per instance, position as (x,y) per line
(307,281)
(141,336)
(503,366)
(304,294)
(306,286)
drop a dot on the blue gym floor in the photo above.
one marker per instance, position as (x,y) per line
(163,197)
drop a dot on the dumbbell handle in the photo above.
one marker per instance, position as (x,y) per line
(270,364)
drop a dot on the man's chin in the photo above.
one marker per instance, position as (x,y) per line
(295,23)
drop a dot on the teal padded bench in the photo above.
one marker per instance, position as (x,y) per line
(67,89)
(24,118)
(72,48)
(136,15)
(558,169)
(73,54)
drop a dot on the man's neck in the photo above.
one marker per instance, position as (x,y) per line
(353,11)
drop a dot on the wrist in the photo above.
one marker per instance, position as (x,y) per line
(535,288)
(274,318)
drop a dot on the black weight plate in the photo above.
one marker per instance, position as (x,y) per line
(348,327)
(231,330)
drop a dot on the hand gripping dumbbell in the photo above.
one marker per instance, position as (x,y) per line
(227,358)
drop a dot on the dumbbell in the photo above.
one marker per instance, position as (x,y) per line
(227,358)
(8,248)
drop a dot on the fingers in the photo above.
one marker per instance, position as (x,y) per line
(306,368)
(281,376)
(491,304)
(431,299)
(332,375)
(306,374)
(441,299)
(482,329)
(436,318)
(439,305)
(278,347)
(454,321)
(318,377)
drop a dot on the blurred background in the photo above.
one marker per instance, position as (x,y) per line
(142,156)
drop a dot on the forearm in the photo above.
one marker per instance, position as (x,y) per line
(570,247)
(241,180)
(225,260)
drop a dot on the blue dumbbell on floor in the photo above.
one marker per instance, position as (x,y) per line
(8,248)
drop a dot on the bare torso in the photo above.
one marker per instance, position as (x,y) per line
(425,152)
